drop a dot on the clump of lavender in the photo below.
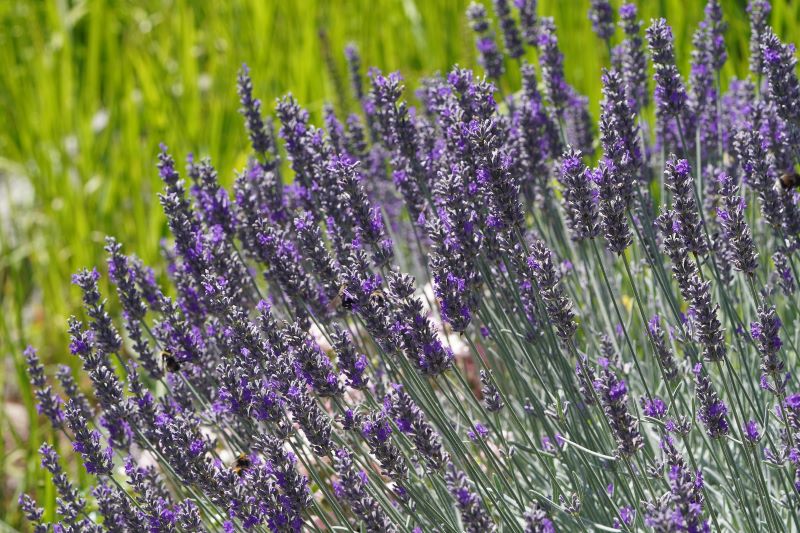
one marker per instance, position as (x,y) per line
(409,331)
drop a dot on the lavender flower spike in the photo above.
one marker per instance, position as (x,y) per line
(489,57)
(765,332)
(48,403)
(351,488)
(779,63)
(680,509)
(679,181)
(474,517)
(354,69)
(32,513)
(716,26)
(612,208)
(738,238)
(528,20)
(613,394)
(670,94)
(784,273)
(634,61)
(491,396)
(96,459)
(559,307)
(511,36)
(759,11)
(260,132)
(602,16)
(712,411)
(411,421)
(709,329)
(537,520)
(580,204)
(663,351)
(552,63)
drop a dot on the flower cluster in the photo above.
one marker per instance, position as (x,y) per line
(456,316)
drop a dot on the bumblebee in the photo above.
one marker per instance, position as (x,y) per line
(170,363)
(241,465)
(377,298)
(346,300)
(790,180)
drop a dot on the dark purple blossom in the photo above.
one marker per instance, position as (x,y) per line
(731,216)
(580,197)
(601,14)
(551,60)
(712,411)
(670,95)
(489,56)
(528,20)
(634,60)
(759,11)
(474,517)
(511,35)
(613,395)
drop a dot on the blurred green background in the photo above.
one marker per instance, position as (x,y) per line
(88,90)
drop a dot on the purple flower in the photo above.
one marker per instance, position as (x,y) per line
(759,11)
(474,516)
(712,411)
(552,63)
(738,238)
(580,203)
(670,95)
(511,35)
(528,20)
(613,395)
(654,407)
(490,57)
(751,432)
(601,14)
(479,433)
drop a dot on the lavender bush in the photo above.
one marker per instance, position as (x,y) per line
(466,315)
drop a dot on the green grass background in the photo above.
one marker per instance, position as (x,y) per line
(89,88)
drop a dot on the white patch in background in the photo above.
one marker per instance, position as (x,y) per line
(319,338)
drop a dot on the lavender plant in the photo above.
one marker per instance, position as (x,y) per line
(452,317)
